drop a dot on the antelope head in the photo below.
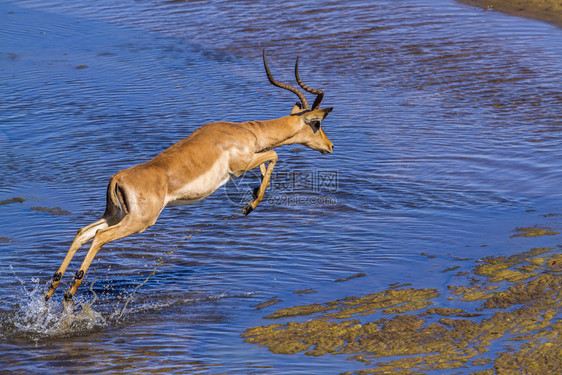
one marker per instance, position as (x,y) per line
(310,133)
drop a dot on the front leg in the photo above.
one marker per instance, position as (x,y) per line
(257,188)
(259,160)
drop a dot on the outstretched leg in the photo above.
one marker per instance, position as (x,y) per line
(259,160)
(84,235)
(257,188)
(262,173)
(129,225)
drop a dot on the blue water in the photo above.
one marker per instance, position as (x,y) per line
(447,129)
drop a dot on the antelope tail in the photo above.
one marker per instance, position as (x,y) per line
(116,203)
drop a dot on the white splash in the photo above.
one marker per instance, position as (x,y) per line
(37,318)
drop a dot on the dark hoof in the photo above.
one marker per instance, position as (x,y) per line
(255,192)
(68,303)
(247,209)
(67,296)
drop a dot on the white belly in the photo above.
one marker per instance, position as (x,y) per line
(201,187)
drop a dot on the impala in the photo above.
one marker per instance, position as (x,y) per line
(195,167)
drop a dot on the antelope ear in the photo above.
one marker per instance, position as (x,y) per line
(297,108)
(316,115)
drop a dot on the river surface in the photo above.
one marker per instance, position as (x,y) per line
(447,128)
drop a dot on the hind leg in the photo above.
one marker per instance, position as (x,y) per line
(129,225)
(84,235)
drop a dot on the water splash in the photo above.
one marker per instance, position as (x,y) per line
(33,317)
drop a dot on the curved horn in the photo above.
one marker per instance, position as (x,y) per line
(285,86)
(319,93)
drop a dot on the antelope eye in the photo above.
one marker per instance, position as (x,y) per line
(315,125)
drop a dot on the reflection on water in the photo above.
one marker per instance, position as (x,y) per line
(447,133)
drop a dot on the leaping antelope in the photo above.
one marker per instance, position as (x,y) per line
(193,168)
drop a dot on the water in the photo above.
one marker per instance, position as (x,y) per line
(446,124)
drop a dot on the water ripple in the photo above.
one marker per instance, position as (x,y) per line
(447,130)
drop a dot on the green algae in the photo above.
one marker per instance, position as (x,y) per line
(534,232)
(443,311)
(305,291)
(514,301)
(498,268)
(398,285)
(406,307)
(360,306)
(267,303)
(449,269)
(12,200)
(355,275)
(475,293)
(55,211)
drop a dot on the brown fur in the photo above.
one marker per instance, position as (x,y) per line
(189,171)
(192,169)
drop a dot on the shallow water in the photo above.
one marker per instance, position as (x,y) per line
(446,124)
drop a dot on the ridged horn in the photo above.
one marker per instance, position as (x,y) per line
(285,86)
(319,93)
